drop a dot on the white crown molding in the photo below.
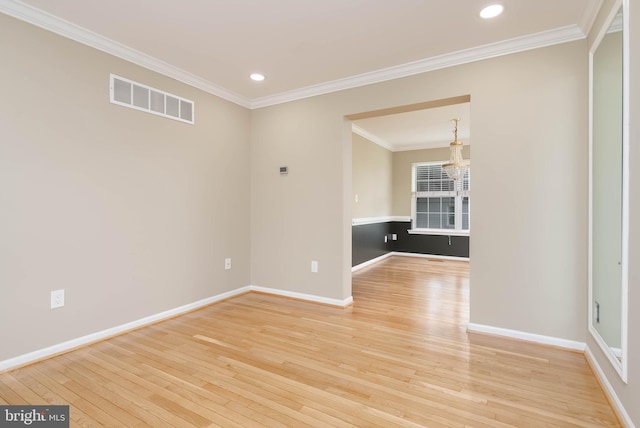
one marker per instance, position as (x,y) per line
(371,137)
(616,25)
(74,32)
(519,44)
(64,28)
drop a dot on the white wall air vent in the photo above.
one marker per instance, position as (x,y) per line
(135,95)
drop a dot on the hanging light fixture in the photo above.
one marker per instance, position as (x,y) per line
(457,167)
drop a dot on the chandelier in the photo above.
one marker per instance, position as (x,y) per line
(457,167)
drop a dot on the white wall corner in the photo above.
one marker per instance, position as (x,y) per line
(529,337)
(608,389)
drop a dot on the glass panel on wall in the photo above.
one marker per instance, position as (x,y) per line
(435,213)
(448,212)
(422,219)
(465,213)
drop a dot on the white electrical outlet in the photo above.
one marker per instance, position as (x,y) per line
(314,266)
(227,263)
(385,239)
(356,197)
(394,237)
(57,299)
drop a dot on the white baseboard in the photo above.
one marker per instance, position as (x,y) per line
(430,256)
(371,262)
(396,253)
(301,296)
(529,337)
(608,389)
(567,344)
(40,354)
(59,348)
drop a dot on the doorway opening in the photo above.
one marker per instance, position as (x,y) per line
(396,210)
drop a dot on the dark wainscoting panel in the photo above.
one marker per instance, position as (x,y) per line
(442,245)
(368,242)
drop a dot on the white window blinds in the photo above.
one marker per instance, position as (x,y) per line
(439,203)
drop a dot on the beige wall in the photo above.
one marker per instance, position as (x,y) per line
(529,114)
(529,246)
(372,176)
(130,213)
(402,162)
(629,393)
(299,217)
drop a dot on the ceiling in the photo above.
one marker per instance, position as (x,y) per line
(420,129)
(305,47)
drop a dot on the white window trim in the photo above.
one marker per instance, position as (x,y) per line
(455,193)
(443,232)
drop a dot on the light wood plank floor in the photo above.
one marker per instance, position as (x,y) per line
(400,356)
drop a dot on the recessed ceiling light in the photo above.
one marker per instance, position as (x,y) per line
(257,77)
(491,11)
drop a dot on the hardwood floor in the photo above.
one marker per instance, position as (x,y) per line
(400,356)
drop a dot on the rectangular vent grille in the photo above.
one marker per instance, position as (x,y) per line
(135,95)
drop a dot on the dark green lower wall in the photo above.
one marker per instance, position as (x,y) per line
(368,242)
